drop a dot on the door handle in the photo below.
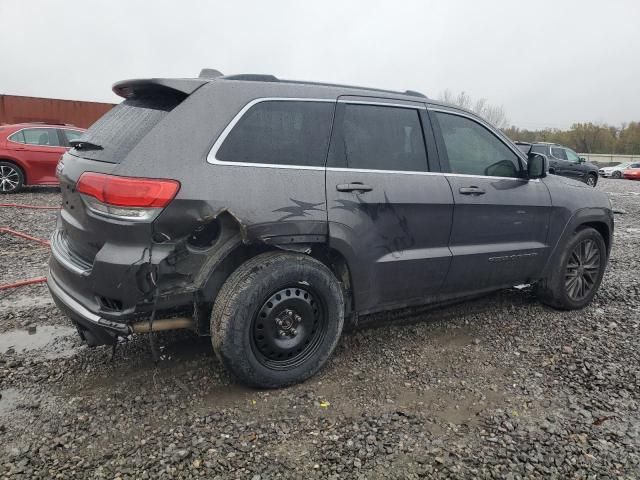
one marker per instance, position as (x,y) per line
(472,191)
(353,187)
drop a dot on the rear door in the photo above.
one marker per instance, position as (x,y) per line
(500,220)
(388,213)
(40,148)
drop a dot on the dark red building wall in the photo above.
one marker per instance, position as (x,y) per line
(17,109)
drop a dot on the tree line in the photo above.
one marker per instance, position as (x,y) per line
(586,137)
(582,137)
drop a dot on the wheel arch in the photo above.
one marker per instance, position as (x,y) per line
(239,251)
(600,218)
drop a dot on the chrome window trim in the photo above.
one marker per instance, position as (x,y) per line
(382,104)
(211,156)
(35,144)
(441,174)
(213,152)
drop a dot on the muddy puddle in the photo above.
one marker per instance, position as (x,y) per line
(50,341)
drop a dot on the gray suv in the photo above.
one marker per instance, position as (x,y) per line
(264,212)
(563,161)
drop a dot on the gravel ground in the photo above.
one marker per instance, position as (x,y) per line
(501,387)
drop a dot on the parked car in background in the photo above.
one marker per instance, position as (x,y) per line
(29,153)
(614,172)
(292,207)
(632,172)
(563,161)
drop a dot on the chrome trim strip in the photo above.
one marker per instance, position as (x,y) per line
(72,304)
(412,172)
(211,156)
(383,104)
(44,126)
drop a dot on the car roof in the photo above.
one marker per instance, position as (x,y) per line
(186,86)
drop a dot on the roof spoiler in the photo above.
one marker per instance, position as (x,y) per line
(181,87)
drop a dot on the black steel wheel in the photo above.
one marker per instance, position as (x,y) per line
(575,274)
(277,319)
(11,178)
(289,327)
(583,270)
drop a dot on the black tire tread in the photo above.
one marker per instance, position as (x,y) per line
(550,290)
(229,300)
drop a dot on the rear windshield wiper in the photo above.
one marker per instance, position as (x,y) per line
(84,145)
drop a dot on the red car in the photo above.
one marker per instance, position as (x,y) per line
(632,172)
(29,153)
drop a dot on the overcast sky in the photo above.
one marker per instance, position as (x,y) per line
(548,62)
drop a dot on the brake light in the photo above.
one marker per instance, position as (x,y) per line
(130,198)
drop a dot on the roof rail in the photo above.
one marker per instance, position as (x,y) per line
(252,77)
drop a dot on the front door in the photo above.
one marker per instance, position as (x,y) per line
(500,220)
(387,213)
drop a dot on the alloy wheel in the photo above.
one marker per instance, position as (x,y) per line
(591,181)
(583,270)
(289,327)
(9,178)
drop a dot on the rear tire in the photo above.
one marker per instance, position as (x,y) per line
(11,178)
(617,174)
(592,179)
(277,319)
(575,279)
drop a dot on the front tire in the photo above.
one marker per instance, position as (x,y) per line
(617,174)
(277,319)
(11,178)
(592,179)
(575,279)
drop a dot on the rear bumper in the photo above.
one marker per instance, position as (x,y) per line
(93,329)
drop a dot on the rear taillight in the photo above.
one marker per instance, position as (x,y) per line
(126,198)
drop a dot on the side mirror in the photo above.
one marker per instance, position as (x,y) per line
(537,165)
(582,160)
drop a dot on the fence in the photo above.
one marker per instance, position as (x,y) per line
(609,159)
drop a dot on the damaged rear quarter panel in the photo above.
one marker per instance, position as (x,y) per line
(270,205)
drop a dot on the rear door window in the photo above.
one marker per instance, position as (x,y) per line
(474,150)
(540,149)
(41,136)
(18,137)
(280,132)
(378,137)
(558,153)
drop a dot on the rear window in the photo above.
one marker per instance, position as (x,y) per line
(278,132)
(122,127)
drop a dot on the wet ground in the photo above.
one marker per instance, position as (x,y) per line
(499,387)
